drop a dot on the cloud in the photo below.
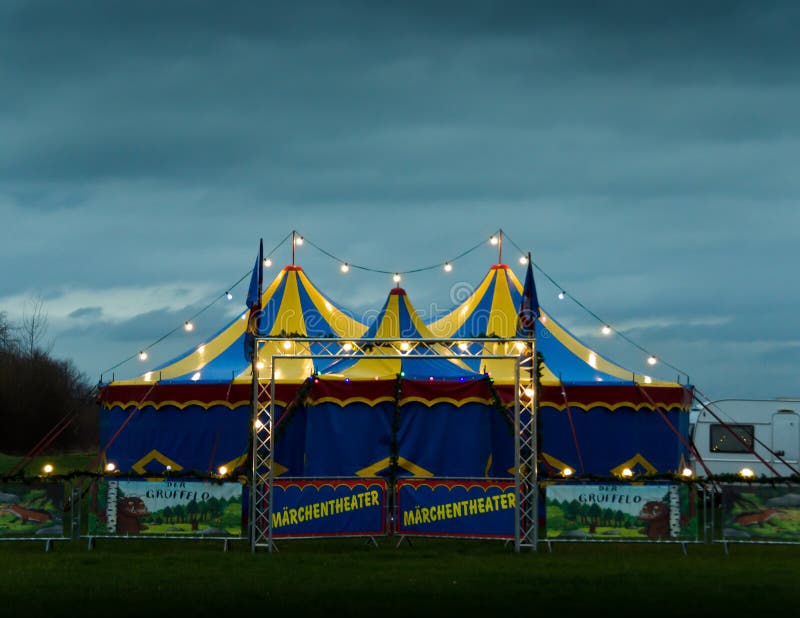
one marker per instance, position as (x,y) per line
(644,153)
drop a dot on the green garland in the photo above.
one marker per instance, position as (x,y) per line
(394,452)
(499,406)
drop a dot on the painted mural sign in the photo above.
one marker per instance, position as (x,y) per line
(474,509)
(167,508)
(619,511)
(761,512)
(35,510)
(318,508)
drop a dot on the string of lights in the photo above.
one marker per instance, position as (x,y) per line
(606,328)
(496,239)
(188,324)
(345,266)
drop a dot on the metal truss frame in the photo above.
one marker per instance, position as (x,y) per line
(262,415)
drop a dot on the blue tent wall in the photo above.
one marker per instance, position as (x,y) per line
(194,438)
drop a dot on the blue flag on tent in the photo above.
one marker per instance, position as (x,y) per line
(253,303)
(529,307)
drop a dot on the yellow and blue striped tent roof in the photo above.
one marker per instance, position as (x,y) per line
(492,311)
(399,324)
(292,307)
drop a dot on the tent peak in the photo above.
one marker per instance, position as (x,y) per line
(293,267)
(500,267)
(398,291)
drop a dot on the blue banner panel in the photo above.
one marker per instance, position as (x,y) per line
(32,510)
(604,439)
(761,512)
(463,508)
(340,507)
(189,438)
(171,507)
(354,440)
(616,511)
(445,440)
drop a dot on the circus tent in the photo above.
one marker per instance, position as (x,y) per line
(592,409)
(432,415)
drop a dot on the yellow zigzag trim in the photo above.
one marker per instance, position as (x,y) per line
(157,456)
(631,463)
(181,405)
(604,404)
(402,462)
(455,402)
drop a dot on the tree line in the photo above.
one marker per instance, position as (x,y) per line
(40,394)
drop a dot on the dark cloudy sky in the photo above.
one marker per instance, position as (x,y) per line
(645,152)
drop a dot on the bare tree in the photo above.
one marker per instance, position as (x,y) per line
(33,328)
(8,342)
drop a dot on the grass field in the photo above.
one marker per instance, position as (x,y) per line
(429,577)
(122,578)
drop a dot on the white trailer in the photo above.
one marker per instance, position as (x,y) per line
(767,429)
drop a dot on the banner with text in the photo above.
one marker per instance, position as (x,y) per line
(166,508)
(761,512)
(32,510)
(330,507)
(462,508)
(619,511)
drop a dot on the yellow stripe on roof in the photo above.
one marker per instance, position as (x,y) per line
(341,323)
(289,320)
(374,368)
(503,314)
(389,327)
(450,323)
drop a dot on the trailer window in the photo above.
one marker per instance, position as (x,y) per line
(724,438)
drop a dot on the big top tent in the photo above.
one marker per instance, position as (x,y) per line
(443,411)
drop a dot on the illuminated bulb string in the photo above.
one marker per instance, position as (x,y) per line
(345,266)
(351,265)
(651,358)
(142,354)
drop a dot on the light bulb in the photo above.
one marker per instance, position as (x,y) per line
(111,466)
(567,471)
(687,473)
(259,364)
(627,473)
(652,360)
(448,267)
(344,267)
(195,376)
(188,326)
(463,346)
(298,241)
(396,278)
(223,470)
(47,468)
(347,347)
(267,262)
(142,355)
(404,346)
(746,473)
(606,330)
(287,345)
(561,295)
(228,295)
(523,260)
(493,240)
